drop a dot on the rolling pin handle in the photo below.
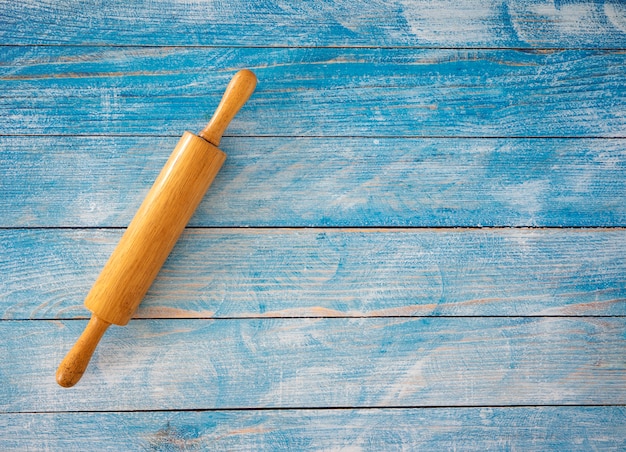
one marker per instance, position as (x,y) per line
(237,93)
(75,362)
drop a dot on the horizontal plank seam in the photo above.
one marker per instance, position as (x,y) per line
(312,47)
(337,317)
(372,137)
(326,408)
(344,228)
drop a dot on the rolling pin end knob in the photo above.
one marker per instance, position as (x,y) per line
(75,362)
(237,93)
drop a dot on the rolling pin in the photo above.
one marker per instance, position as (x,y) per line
(155,228)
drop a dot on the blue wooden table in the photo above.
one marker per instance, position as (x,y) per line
(417,240)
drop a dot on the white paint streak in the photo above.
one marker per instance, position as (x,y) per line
(569,18)
(527,198)
(459,23)
(543,23)
(616,14)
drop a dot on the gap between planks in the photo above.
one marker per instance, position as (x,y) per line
(329,408)
(334,228)
(330,137)
(332,47)
(334,317)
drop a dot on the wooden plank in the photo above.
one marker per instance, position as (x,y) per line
(319,363)
(101,181)
(534,23)
(317,272)
(315,92)
(479,429)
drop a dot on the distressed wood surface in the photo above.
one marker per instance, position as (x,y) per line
(314,363)
(314,304)
(224,273)
(471,429)
(439,23)
(101,181)
(315,92)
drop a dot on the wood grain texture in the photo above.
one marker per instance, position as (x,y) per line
(154,230)
(469,429)
(100,182)
(439,23)
(298,273)
(393,117)
(75,362)
(313,363)
(315,92)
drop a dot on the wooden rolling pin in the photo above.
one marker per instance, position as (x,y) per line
(154,230)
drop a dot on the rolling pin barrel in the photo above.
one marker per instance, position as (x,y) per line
(155,228)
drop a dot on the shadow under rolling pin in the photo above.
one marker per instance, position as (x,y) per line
(154,230)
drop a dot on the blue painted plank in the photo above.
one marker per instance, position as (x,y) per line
(317,363)
(101,181)
(299,273)
(432,23)
(104,101)
(315,92)
(468,429)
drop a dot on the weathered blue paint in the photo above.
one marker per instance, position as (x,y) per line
(220,273)
(374,182)
(311,363)
(472,429)
(423,23)
(374,123)
(315,92)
